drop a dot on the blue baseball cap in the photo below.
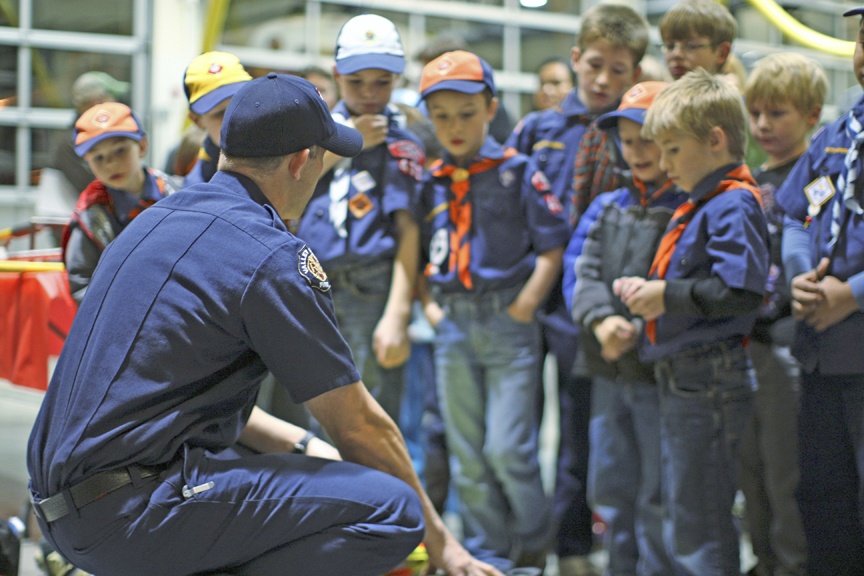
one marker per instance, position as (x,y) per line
(279,114)
(634,104)
(854,11)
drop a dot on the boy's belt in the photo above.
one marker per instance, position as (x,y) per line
(90,489)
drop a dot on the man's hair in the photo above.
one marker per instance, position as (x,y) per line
(254,163)
(705,18)
(619,25)
(696,103)
(787,78)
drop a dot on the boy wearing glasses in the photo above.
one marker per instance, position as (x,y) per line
(697,34)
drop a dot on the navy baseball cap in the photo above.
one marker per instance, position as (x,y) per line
(854,11)
(279,114)
(634,104)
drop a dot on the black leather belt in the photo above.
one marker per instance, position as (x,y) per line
(90,489)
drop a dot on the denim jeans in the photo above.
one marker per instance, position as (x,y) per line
(769,464)
(624,476)
(359,296)
(706,397)
(487,377)
(831,491)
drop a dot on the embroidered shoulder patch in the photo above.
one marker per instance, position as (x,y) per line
(410,158)
(311,269)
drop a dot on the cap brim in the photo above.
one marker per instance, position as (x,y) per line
(84,147)
(464,86)
(346,141)
(854,11)
(610,119)
(209,101)
(388,62)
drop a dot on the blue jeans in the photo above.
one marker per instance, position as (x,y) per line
(359,296)
(487,377)
(624,475)
(706,397)
(769,463)
(831,491)
(264,514)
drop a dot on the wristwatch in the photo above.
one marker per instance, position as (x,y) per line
(301,446)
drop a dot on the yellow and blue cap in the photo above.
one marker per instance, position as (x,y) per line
(212,78)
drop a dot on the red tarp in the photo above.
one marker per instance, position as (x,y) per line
(36,312)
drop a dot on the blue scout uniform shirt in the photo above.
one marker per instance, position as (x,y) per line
(190,306)
(514,218)
(836,350)
(380,181)
(727,238)
(206,166)
(552,137)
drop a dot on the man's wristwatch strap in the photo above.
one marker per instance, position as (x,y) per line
(301,446)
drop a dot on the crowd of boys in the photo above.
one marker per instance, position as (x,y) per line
(702,315)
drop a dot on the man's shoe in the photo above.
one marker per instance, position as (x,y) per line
(577,566)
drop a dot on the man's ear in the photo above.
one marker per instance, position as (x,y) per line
(296,161)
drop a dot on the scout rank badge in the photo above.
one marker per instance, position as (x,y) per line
(360,204)
(310,268)
(818,193)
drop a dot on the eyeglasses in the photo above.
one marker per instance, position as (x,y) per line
(685,47)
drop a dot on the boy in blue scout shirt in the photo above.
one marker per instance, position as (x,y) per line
(617,236)
(111,139)
(492,246)
(824,258)
(700,301)
(784,95)
(360,220)
(611,42)
(210,80)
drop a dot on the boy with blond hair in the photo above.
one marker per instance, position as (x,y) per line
(700,301)
(611,43)
(824,260)
(697,34)
(493,236)
(784,96)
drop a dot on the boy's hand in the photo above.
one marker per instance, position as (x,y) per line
(390,342)
(625,286)
(807,292)
(837,303)
(521,310)
(644,298)
(616,336)
(373,128)
(454,560)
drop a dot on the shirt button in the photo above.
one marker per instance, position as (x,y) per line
(683,261)
(319,213)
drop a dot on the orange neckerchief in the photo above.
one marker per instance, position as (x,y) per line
(738,178)
(460,210)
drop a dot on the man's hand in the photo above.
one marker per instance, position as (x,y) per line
(456,561)
(616,335)
(373,128)
(390,342)
(642,297)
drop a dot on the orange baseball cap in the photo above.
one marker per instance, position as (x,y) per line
(211,78)
(103,121)
(634,104)
(460,71)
